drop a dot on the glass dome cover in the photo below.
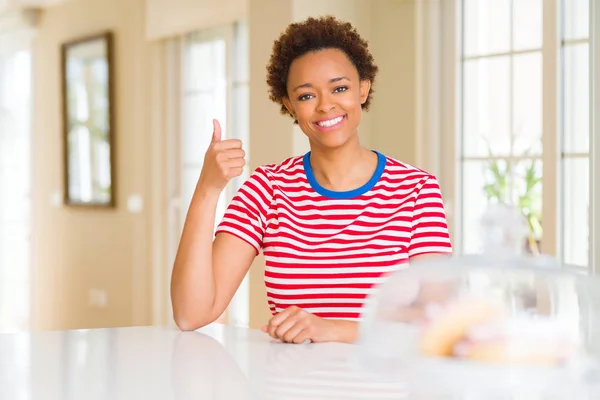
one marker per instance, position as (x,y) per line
(499,322)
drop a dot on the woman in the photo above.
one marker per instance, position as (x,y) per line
(331,223)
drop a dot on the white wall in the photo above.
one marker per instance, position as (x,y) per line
(76,250)
(172,17)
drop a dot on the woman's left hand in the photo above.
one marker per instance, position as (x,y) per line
(295,325)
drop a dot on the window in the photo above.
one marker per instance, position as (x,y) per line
(215,84)
(502,103)
(516,146)
(204,98)
(15,102)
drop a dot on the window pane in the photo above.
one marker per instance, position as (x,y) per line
(527,104)
(199,110)
(576,199)
(205,65)
(204,98)
(576,19)
(486,111)
(576,98)
(528,24)
(497,181)
(197,54)
(486,26)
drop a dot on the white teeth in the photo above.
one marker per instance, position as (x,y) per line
(330,122)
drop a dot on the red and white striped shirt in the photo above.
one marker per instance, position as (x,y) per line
(325,251)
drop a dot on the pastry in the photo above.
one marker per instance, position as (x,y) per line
(452,324)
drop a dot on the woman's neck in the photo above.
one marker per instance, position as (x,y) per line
(343,169)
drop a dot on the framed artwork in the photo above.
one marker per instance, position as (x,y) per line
(88,115)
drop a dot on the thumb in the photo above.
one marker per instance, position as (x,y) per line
(216,137)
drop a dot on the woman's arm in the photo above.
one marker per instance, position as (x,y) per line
(206,274)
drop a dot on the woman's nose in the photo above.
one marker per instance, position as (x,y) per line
(325,104)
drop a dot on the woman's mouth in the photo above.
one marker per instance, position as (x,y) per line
(330,124)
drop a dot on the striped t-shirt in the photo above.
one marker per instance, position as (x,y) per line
(325,251)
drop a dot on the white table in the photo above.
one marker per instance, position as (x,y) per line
(218,362)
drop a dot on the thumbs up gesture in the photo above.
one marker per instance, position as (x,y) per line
(223,161)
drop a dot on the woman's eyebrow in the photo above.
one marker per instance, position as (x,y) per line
(332,80)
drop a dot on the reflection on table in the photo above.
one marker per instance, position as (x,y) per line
(218,362)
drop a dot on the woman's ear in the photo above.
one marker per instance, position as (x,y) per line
(365,88)
(288,105)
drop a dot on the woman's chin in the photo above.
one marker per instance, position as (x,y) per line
(334,140)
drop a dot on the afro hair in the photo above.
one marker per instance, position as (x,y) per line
(315,34)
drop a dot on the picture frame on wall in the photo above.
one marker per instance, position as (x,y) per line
(87,76)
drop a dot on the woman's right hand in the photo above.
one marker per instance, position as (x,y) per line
(224,160)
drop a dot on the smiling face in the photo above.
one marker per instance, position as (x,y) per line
(325,95)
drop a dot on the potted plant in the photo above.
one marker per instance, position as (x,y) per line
(506,185)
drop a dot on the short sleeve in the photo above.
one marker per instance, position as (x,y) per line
(429,233)
(246,215)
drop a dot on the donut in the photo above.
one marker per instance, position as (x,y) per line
(441,335)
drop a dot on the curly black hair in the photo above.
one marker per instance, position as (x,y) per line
(316,34)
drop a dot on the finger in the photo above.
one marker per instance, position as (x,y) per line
(235,163)
(286,326)
(283,315)
(303,336)
(235,153)
(277,320)
(272,328)
(216,131)
(290,335)
(230,144)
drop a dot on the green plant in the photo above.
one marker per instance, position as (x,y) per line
(506,185)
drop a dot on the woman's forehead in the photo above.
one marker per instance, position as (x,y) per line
(322,65)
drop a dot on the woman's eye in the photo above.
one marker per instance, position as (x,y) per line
(305,97)
(340,89)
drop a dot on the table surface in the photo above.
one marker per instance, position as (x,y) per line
(221,362)
(218,362)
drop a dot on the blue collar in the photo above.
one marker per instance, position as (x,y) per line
(381,161)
